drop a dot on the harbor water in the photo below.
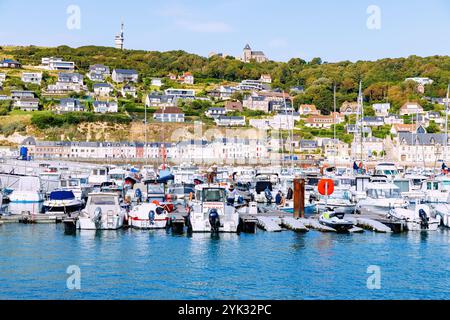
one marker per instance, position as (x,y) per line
(131,264)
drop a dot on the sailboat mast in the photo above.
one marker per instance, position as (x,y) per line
(446,126)
(334,124)
(145,134)
(289,128)
(360,107)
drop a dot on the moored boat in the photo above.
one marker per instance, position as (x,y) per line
(62,201)
(102,212)
(148,216)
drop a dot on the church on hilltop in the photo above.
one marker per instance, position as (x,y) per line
(250,55)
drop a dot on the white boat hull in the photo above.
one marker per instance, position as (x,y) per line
(443,213)
(146,224)
(25,197)
(228,226)
(86,223)
(412,219)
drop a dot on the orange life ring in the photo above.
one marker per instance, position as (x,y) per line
(326,187)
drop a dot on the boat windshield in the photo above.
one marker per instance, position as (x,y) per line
(389,172)
(103,200)
(117,176)
(432,185)
(383,193)
(213,195)
(341,194)
(403,185)
(446,184)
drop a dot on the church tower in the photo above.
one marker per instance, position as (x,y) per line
(247,56)
(120,39)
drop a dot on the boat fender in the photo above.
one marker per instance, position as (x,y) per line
(159,211)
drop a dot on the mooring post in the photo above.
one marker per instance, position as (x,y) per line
(299,198)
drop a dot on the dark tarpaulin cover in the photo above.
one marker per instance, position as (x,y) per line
(62,195)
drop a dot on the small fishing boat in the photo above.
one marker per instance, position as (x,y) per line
(62,201)
(380,198)
(336,221)
(418,219)
(210,212)
(103,212)
(148,216)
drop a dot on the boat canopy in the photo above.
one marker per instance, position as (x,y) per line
(62,195)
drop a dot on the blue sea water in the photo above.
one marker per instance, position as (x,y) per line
(131,264)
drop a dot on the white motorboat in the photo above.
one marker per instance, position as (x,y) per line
(102,212)
(148,216)
(380,198)
(209,211)
(118,176)
(341,201)
(408,189)
(419,219)
(79,187)
(62,201)
(387,169)
(27,190)
(98,176)
(434,191)
(265,191)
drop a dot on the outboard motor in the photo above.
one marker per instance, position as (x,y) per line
(214,220)
(97,219)
(151,217)
(313,197)
(424,219)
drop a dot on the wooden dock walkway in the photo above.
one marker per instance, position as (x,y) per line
(32,218)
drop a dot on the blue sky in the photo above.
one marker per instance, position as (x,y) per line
(332,30)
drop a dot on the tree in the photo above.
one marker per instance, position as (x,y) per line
(433,127)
